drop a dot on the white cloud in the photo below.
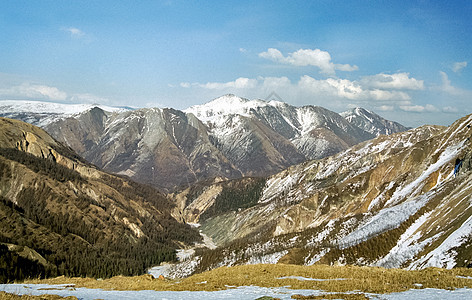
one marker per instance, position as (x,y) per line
(447,87)
(74,32)
(242,50)
(307,57)
(384,92)
(240,83)
(88,98)
(33,91)
(352,90)
(335,87)
(383,95)
(397,81)
(346,67)
(273,54)
(419,108)
(275,82)
(386,108)
(450,109)
(431,108)
(457,66)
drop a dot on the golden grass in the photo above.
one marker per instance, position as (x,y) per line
(362,279)
(7,296)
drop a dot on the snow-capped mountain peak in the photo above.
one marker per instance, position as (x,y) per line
(225,105)
(41,113)
(371,122)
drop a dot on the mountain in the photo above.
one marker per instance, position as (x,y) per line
(41,113)
(393,201)
(371,122)
(314,131)
(62,216)
(165,148)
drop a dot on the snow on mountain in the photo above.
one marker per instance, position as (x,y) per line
(225,105)
(371,122)
(43,113)
(315,132)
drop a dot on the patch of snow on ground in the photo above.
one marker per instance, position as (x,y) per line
(386,219)
(272,258)
(301,278)
(243,293)
(401,193)
(184,254)
(440,257)
(322,235)
(407,246)
(276,185)
(315,258)
(16,106)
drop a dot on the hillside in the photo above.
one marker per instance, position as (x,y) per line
(392,201)
(60,215)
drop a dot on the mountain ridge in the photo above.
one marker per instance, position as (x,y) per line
(172,149)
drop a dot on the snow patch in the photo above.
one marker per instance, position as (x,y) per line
(386,219)
(412,188)
(443,256)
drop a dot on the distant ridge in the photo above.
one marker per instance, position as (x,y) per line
(227,137)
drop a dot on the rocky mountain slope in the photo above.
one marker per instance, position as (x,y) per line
(371,122)
(60,215)
(314,131)
(229,137)
(393,201)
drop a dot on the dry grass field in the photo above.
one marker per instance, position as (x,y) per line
(333,279)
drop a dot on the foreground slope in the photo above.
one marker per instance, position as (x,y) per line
(393,201)
(60,215)
(281,281)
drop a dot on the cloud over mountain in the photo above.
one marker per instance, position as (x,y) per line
(308,57)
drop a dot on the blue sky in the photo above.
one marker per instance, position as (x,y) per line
(409,61)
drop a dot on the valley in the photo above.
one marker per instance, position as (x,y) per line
(393,201)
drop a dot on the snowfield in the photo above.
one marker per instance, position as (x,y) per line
(240,293)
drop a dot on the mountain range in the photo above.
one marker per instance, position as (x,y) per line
(227,138)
